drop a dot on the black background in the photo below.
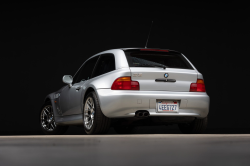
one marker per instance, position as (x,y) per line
(41,42)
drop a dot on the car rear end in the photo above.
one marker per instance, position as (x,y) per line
(162,83)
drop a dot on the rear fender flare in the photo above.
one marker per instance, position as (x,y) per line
(85,93)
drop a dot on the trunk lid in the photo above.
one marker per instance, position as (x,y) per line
(147,79)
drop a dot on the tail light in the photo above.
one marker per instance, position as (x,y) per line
(199,86)
(125,83)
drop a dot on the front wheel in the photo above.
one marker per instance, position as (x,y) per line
(47,121)
(94,121)
(197,126)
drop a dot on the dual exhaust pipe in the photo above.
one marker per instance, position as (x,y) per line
(142,114)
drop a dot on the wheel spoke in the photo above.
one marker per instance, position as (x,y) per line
(52,125)
(44,113)
(89,104)
(46,109)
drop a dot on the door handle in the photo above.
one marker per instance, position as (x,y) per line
(165,80)
(78,88)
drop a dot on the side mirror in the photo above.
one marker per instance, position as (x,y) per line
(68,79)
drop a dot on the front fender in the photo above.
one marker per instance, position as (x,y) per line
(51,97)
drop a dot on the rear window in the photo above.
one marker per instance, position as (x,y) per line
(137,58)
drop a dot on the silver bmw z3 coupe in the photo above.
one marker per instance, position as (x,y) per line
(128,87)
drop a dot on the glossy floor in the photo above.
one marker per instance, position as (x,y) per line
(143,149)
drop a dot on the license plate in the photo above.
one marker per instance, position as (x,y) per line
(167,106)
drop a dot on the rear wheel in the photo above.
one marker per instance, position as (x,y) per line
(47,121)
(197,126)
(94,121)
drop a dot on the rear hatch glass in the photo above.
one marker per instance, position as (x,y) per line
(138,58)
(148,67)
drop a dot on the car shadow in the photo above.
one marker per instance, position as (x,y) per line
(173,129)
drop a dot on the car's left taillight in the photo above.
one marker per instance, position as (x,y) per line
(199,86)
(125,83)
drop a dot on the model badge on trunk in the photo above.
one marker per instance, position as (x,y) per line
(166,75)
(137,74)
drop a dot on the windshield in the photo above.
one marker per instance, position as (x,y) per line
(137,58)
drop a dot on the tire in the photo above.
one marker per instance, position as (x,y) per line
(198,126)
(94,121)
(123,129)
(47,121)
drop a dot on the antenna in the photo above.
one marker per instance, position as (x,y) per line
(149,34)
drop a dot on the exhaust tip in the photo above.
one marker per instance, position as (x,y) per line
(145,114)
(142,113)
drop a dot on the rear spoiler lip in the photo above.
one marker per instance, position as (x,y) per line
(138,49)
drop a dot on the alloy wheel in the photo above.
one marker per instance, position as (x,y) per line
(47,119)
(89,113)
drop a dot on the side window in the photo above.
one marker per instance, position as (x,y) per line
(86,70)
(105,64)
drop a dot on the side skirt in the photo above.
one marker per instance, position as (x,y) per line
(69,120)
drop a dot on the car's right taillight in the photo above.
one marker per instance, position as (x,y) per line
(125,83)
(199,86)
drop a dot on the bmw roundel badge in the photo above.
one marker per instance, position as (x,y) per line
(166,75)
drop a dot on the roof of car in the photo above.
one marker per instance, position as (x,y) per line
(143,49)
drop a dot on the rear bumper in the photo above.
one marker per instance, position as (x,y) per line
(120,103)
